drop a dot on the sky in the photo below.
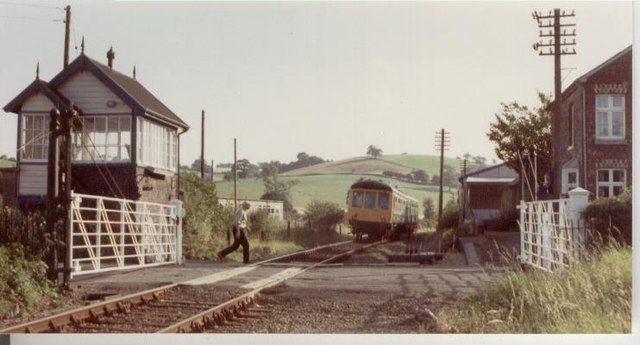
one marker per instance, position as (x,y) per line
(325,78)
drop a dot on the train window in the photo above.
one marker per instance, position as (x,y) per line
(357,199)
(383,201)
(370,200)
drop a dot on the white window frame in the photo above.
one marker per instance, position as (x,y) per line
(157,145)
(566,186)
(610,184)
(34,139)
(109,144)
(606,123)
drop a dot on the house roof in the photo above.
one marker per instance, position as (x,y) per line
(583,79)
(500,173)
(128,89)
(37,86)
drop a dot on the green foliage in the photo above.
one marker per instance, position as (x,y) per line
(429,212)
(450,216)
(519,130)
(261,224)
(206,221)
(323,215)
(590,297)
(278,189)
(23,280)
(611,217)
(374,151)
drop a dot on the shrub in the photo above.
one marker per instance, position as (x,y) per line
(450,216)
(24,280)
(262,225)
(611,217)
(206,222)
(323,215)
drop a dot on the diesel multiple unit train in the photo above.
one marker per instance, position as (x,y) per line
(380,211)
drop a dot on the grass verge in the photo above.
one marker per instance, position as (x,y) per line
(591,297)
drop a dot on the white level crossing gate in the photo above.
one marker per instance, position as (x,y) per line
(552,232)
(111,234)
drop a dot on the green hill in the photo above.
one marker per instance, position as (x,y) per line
(7,163)
(400,164)
(330,187)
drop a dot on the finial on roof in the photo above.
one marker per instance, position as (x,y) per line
(110,56)
(38,71)
(134,72)
(82,46)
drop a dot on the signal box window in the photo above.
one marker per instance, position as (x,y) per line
(383,201)
(370,200)
(357,199)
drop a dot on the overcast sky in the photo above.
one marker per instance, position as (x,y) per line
(325,78)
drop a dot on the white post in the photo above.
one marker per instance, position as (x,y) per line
(180,212)
(578,201)
(123,209)
(99,206)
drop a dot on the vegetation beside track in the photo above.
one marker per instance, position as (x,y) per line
(591,297)
(23,283)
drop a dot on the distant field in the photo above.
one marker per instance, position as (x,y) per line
(428,163)
(6,164)
(327,188)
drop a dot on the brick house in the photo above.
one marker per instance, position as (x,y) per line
(594,151)
(128,145)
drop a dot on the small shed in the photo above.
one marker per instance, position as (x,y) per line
(489,194)
(127,146)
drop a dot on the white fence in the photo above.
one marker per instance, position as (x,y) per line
(552,232)
(110,234)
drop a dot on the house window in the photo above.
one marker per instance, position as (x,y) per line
(611,182)
(34,143)
(157,145)
(610,117)
(569,179)
(103,138)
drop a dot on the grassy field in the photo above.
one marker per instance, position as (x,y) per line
(7,164)
(428,163)
(331,188)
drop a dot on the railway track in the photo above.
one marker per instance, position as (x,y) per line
(183,308)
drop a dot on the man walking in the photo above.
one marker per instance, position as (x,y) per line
(239,234)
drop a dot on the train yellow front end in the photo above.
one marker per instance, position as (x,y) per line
(380,211)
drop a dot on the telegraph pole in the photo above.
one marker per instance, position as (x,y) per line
(202,147)
(67,29)
(442,143)
(556,48)
(463,195)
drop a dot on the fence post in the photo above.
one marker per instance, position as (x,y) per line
(180,212)
(578,201)
(523,231)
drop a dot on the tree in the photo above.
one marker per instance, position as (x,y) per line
(421,176)
(269,169)
(246,169)
(429,212)
(276,189)
(374,151)
(523,133)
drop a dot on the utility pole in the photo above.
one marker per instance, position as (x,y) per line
(556,48)
(202,147)
(67,29)
(463,195)
(442,143)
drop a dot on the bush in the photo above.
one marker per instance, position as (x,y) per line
(323,215)
(508,221)
(24,280)
(450,216)
(206,222)
(611,217)
(262,225)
